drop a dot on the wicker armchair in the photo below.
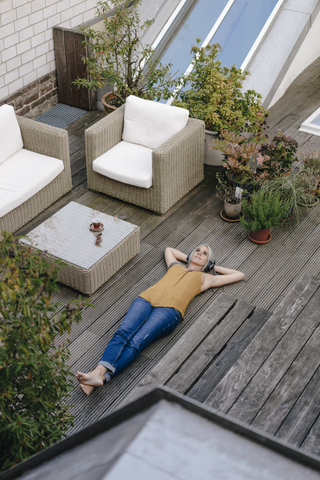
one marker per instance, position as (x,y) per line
(177,164)
(46,140)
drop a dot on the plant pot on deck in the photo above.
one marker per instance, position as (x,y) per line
(311,204)
(232,207)
(212,157)
(110,102)
(262,236)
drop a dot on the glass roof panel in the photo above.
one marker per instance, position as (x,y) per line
(240,28)
(316,121)
(197,21)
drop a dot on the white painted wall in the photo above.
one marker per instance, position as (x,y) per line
(26,38)
(308,53)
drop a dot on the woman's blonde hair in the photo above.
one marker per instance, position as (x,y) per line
(209,259)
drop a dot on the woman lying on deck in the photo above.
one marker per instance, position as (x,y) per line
(158,311)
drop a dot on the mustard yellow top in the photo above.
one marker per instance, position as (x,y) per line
(176,289)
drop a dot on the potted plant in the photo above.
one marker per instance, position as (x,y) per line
(242,157)
(118,57)
(225,190)
(213,93)
(291,190)
(282,151)
(311,160)
(264,211)
(309,183)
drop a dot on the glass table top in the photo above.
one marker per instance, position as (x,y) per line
(67,235)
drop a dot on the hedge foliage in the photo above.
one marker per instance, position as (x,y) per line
(34,376)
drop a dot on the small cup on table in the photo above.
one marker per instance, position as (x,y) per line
(96,223)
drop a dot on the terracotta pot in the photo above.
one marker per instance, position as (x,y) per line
(227,219)
(232,207)
(263,236)
(316,200)
(318,190)
(108,108)
(289,217)
(312,191)
(214,158)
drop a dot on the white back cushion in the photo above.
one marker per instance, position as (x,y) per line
(10,135)
(127,163)
(150,123)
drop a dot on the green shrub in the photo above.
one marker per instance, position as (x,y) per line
(215,95)
(118,57)
(263,210)
(34,376)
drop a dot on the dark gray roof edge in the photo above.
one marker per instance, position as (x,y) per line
(139,405)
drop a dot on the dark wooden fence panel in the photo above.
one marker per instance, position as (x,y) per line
(69,51)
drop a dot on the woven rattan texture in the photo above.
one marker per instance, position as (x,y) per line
(66,237)
(88,281)
(45,140)
(177,164)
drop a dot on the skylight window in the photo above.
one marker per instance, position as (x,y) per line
(312,124)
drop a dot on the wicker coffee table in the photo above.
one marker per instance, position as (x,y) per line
(86,265)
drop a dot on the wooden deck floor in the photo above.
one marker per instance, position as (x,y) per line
(271,270)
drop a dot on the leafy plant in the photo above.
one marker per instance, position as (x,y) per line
(308,181)
(118,57)
(264,210)
(34,376)
(213,93)
(311,161)
(290,189)
(281,151)
(242,156)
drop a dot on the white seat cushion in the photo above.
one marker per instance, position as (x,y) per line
(23,175)
(10,134)
(126,163)
(150,123)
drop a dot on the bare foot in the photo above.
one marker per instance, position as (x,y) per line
(92,379)
(87,389)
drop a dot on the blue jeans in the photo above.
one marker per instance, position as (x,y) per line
(142,325)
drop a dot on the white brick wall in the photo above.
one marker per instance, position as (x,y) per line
(26,39)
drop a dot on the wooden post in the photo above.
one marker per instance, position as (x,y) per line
(69,51)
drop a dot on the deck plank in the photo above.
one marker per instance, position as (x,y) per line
(209,348)
(291,385)
(311,443)
(275,367)
(222,364)
(296,426)
(234,383)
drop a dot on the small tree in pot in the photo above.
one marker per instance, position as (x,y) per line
(263,211)
(214,94)
(118,57)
